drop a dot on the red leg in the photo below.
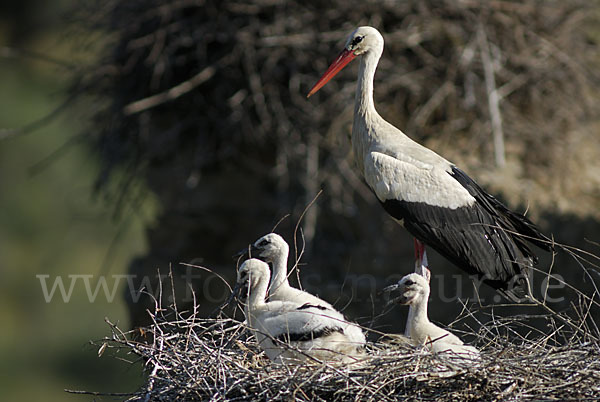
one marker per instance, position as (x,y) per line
(421,263)
(419,249)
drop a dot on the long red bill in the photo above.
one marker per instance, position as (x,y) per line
(342,60)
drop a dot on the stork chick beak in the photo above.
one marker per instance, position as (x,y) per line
(345,57)
(390,288)
(402,299)
(245,252)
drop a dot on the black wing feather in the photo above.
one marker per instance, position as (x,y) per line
(481,239)
(307,336)
(308,305)
(521,224)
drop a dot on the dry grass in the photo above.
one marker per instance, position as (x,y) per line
(191,358)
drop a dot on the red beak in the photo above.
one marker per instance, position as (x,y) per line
(342,60)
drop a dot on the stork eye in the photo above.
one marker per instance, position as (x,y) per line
(409,282)
(357,40)
(263,243)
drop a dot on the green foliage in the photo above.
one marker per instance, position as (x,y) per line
(50,224)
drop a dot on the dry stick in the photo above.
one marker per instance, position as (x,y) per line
(570,250)
(561,318)
(469,313)
(208,270)
(193,316)
(296,266)
(279,383)
(173,289)
(573,288)
(55,154)
(492,93)
(171,93)
(438,97)
(587,313)
(9,52)
(578,68)
(548,278)
(96,393)
(36,124)
(284,217)
(162,339)
(154,370)
(42,121)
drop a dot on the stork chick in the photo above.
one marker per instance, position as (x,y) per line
(292,331)
(273,249)
(414,292)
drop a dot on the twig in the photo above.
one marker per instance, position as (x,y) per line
(492,93)
(171,93)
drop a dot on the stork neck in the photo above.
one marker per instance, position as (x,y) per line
(366,119)
(364,107)
(279,278)
(419,310)
(258,293)
(409,321)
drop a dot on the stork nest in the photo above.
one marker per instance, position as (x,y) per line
(190,358)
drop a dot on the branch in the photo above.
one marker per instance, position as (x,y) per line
(171,93)
(493,99)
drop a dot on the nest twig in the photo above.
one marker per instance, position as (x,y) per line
(218,359)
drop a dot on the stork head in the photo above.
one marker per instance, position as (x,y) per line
(268,248)
(251,274)
(364,39)
(413,287)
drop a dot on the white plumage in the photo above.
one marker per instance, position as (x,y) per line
(272,248)
(290,331)
(414,291)
(405,180)
(435,201)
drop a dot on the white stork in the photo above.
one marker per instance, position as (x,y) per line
(414,291)
(434,200)
(273,249)
(290,332)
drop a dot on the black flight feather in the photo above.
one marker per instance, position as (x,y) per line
(482,239)
(309,335)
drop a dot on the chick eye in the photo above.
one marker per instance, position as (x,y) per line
(357,40)
(263,243)
(409,282)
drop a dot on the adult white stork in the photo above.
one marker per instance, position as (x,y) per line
(273,249)
(290,332)
(434,200)
(414,291)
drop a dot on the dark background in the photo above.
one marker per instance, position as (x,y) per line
(181,132)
